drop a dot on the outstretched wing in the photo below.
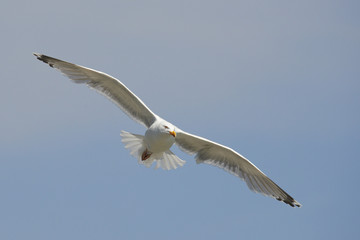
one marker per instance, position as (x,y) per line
(107,86)
(218,155)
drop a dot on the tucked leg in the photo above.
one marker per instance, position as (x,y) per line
(145,155)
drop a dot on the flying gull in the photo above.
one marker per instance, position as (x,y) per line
(160,135)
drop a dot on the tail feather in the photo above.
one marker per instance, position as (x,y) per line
(169,161)
(135,143)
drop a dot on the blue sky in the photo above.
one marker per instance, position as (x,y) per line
(277,81)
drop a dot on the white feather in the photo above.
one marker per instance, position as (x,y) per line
(107,85)
(136,145)
(157,139)
(221,156)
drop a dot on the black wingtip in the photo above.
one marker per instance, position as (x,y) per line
(38,56)
(43,58)
(292,202)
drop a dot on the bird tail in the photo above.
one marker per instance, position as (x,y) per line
(168,160)
(135,143)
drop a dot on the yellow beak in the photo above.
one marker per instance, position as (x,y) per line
(173,133)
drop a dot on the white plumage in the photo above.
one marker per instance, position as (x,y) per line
(161,135)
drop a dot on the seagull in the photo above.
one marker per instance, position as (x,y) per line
(160,135)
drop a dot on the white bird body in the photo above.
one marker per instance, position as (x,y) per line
(161,135)
(157,138)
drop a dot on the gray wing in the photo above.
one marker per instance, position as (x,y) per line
(107,86)
(221,156)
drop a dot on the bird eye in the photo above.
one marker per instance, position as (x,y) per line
(166,127)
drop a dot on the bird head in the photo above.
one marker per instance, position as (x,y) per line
(168,129)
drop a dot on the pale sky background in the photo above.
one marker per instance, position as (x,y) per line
(278,81)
